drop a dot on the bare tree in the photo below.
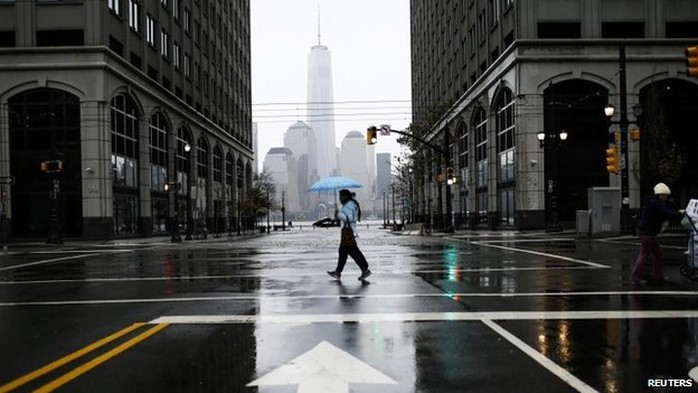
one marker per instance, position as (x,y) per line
(260,199)
(663,156)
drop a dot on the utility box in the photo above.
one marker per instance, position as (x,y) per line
(583,222)
(604,204)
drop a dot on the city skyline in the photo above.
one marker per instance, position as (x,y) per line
(370,59)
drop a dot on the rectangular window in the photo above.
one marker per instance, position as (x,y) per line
(60,38)
(681,29)
(134,10)
(152,72)
(164,3)
(115,45)
(150,30)
(165,44)
(7,39)
(136,61)
(175,55)
(472,40)
(494,12)
(187,65)
(187,21)
(551,30)
(623,30)
(175,9)
(115,6)
(482,28)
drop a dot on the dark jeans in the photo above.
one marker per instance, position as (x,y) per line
(355,254)
(648,245)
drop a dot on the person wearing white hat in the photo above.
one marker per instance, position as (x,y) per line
(653,216)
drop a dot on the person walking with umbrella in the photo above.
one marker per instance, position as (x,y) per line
(348,216)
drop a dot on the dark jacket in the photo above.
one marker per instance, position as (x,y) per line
(653,215)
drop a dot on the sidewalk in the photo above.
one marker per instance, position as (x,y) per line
(418,230)
(39,245)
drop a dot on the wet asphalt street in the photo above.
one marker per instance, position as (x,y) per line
(489,312)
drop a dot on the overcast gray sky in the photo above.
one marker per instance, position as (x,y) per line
(370,45)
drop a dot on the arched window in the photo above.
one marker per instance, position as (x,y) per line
(202,171)
(463,165)
(217,164)
(202,158)
(504,112)
(159,132)
(44,124)
(481,175)
(158,152)
(229,169)
(239,174)
(182,159)
(506,152)
(183,170)
(124,159)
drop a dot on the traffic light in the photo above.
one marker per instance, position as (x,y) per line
(371,135)
(450,176)
(612,160)
(691,60)
(52,166)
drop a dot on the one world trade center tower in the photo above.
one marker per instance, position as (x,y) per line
(321,108)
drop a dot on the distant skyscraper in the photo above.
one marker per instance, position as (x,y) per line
(321,107)
(300,139)
(353,159)
(383,177)
(281,165)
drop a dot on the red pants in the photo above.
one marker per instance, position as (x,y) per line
(648,245)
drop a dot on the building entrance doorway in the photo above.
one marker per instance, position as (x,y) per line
(44,125)
(579,162)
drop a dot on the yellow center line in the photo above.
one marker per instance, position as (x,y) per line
(76,372)
(68,358)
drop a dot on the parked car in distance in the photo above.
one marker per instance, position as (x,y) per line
(326,223)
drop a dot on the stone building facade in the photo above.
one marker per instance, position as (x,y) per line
(129,96)
(489,76)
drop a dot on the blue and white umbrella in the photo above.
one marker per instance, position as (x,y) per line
(334,183)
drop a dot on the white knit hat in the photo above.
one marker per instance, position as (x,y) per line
(662,188)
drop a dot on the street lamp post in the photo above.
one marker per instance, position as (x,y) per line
(392,188)
(54,168)
(283,210)
(554,140)
(447,163)
(187,149)
(623,123)
(54,236)
(385,211)
(169,187)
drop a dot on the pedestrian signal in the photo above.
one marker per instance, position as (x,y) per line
(612,160)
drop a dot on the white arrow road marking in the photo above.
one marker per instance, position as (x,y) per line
(323,369)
